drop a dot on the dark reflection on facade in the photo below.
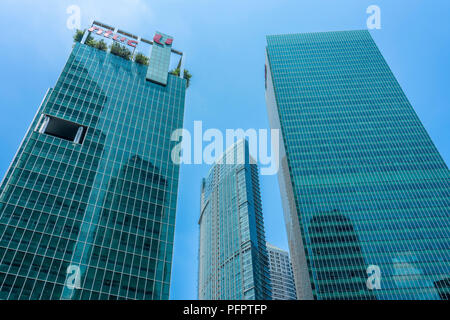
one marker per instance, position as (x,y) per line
(122,259)
(443,288)
(337,258)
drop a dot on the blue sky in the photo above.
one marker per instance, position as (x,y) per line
(224,45)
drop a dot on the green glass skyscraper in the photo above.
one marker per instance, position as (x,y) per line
(87,207)
(366,194)
(233,262)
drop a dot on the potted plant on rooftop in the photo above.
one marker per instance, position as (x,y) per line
(120,51)
(141,59)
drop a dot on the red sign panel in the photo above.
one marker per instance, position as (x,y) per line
(157,38)
(115,37)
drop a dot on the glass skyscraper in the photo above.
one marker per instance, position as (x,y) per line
(233,261)
(87,207)
(281,275)
(366,194)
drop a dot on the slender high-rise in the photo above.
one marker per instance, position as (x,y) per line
(233,261)
(281,275)
(366,194)
(87,207)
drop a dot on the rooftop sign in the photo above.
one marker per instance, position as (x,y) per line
(111,35)
(158,38)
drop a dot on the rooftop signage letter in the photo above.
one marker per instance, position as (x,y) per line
(116,37)
(157,38)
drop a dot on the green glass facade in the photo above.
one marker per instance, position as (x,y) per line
(90,213)
(362,183)
(233,261)
(160,60)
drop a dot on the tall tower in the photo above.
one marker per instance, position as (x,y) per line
(281,275)
(365,191)
(233,261)
(87,207)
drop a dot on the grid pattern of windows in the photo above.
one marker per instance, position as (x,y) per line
(94,220)
(233,261)
(281,275)
(363,182)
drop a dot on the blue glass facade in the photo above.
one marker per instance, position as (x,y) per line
(87,207)
(365,192)
(233,263)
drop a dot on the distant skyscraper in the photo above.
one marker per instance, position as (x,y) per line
(281,275)
(232,251)
(366,194)
(87,207)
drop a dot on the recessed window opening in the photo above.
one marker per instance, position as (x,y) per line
(63,129)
